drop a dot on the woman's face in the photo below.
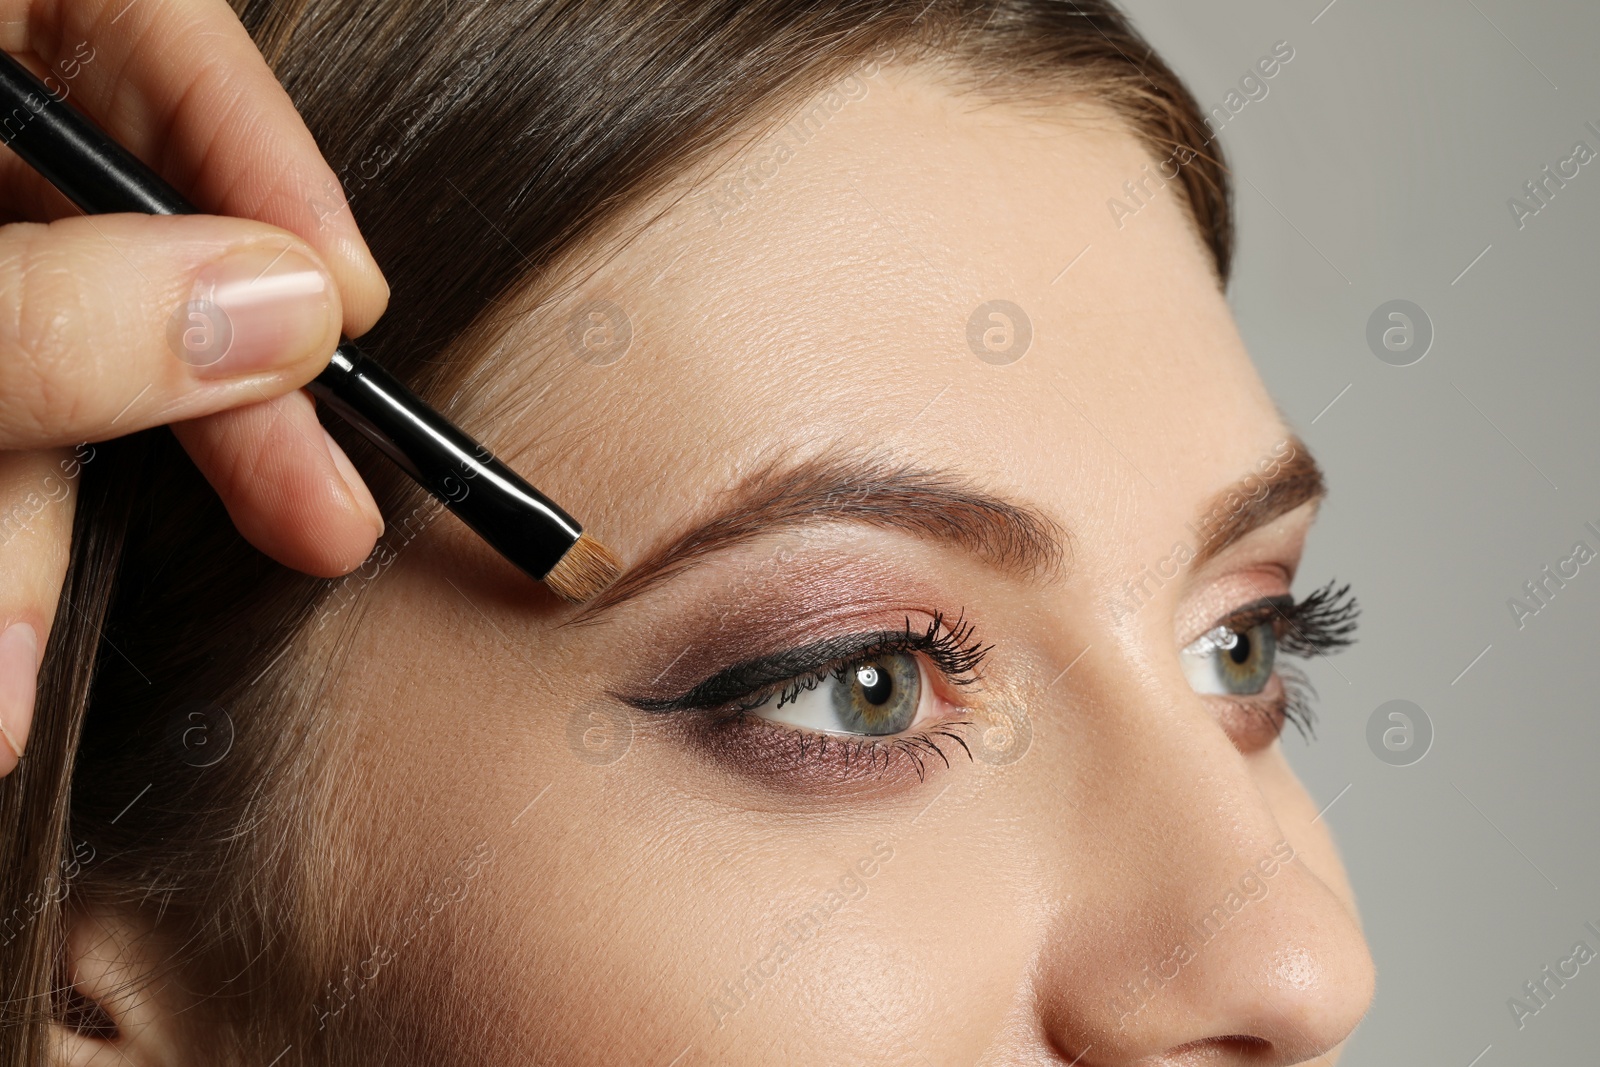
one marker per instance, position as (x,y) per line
(1002,816)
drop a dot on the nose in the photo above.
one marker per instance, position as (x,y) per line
(1200,917)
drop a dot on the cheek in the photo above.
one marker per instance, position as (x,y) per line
(630,935)
(922,968)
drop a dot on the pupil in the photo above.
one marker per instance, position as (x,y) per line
(1240,652)
(876,685)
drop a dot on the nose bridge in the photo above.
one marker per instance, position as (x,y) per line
(1186,915)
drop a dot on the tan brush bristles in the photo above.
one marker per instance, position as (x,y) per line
(584,572)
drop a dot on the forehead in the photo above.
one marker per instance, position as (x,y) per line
(902,268)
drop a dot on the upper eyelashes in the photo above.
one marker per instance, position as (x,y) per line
(952,648)
(1322,622)
(855,701)
(1236,659)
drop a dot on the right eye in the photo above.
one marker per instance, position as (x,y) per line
(874,695)
(1231,662)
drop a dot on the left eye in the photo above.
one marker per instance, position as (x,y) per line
(1231,662)
(876,695)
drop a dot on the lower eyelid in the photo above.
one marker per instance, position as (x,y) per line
(943,690)
(782,757)
(1254,721)
(827,766)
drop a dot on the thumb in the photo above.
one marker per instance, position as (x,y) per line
(115,323)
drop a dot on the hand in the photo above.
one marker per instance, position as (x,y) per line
(98,335)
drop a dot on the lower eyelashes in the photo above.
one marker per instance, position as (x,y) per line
(885,704)
(1255,721)
(864,716)
(853,707)
(1237,660)
(804,758)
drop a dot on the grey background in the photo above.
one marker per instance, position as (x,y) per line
(1379,167)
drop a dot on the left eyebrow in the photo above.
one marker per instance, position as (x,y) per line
(1257,499)
(936,504)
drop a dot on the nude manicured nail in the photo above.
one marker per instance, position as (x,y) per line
(19,678)
(255,309)
(352,481)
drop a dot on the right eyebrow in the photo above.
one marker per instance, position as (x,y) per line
(935,504)
(1254,501)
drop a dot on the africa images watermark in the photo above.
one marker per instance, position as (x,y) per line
(1252,86)
(1552,578)
(1251,888)
(344,591)
(356,175)
(1541,191)
(61,74)
(54,890)
(1138,591)
(851,886)
(339,993)
(52,489)
(760,164)
(1551,979)
(452,487)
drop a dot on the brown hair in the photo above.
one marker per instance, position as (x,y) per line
(548,117)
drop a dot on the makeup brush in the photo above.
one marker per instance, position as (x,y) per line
(517,520)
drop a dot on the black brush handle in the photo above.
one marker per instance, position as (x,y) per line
(486,494)
(74,155)
(102,177)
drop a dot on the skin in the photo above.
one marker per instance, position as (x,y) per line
(85,304)
(600,905)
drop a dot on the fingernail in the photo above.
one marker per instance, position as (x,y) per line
(353,482)
(19,671)
(254,309)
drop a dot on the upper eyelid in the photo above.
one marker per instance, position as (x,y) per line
(804,661)
(1258,611)
(952,646)
(1273,608)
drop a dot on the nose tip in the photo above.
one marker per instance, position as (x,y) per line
(1276,976)
(1203,916)
(1304,999)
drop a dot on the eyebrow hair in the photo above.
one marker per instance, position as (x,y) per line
(1013,536)
(1010,535)
(1259,497)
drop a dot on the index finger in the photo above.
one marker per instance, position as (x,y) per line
(181,85)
